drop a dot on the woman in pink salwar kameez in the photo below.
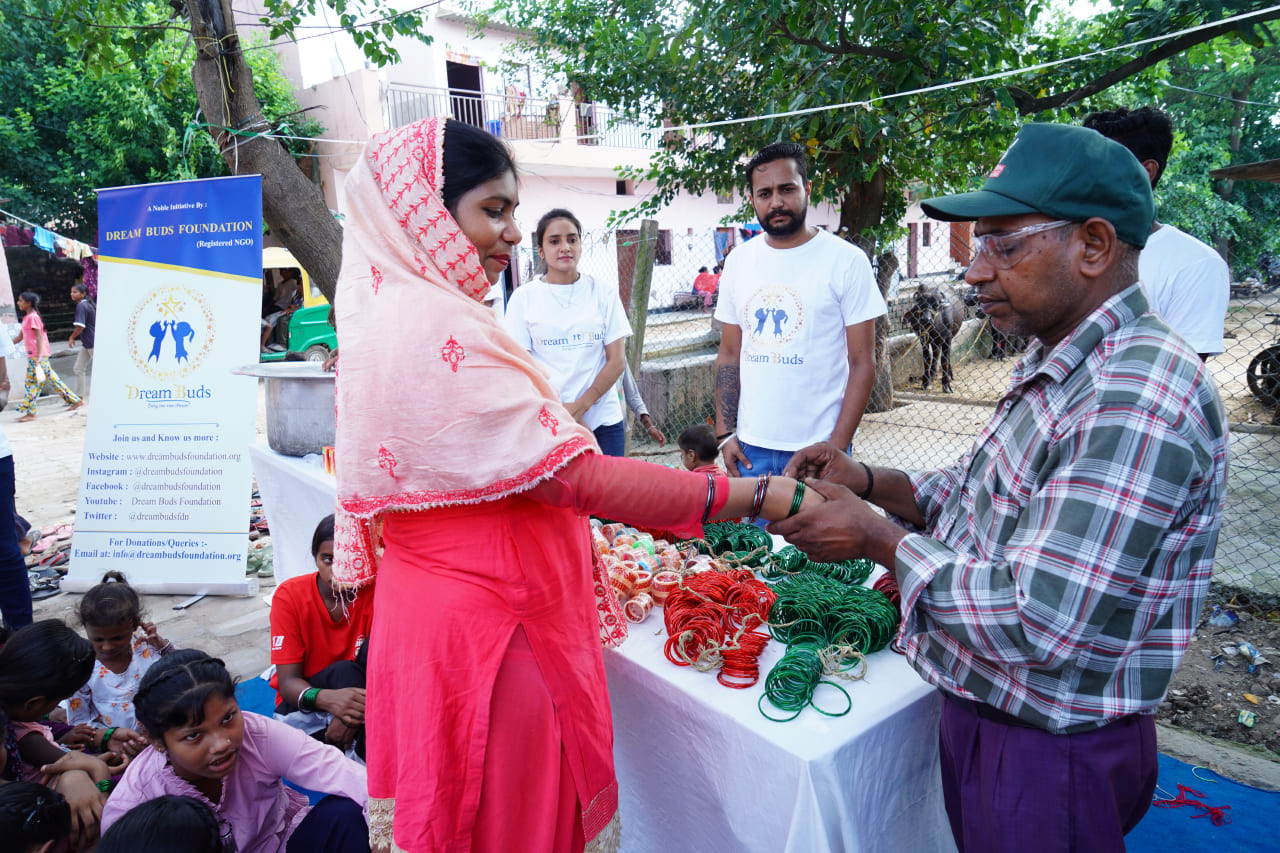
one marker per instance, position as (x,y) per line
(487,709)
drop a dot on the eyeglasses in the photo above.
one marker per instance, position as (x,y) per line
(1005,250)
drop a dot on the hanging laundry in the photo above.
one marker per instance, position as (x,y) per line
(16,235)
(91,276)
(44,239)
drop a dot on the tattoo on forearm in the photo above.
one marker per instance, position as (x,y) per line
(728,389)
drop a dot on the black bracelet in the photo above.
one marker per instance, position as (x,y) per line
(722,436)
(711,497)
(871,481)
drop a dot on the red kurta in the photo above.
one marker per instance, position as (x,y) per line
(466,591)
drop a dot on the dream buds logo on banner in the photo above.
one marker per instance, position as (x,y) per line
(170,332)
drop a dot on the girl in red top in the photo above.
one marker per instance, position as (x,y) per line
(319,650)
(37,342)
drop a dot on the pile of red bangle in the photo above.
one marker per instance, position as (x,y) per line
(709,621)
(888,584)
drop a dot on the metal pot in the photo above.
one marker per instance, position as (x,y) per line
(300,405)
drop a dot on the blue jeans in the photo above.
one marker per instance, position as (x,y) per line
(15,587)
(763,461)
(612,438)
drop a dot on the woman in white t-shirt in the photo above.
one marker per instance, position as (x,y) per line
(576,326)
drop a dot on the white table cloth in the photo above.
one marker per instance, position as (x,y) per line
(296,493)
(700,770)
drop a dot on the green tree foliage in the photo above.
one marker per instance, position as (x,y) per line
(68,127)
(223,72)
(1224,99)
(1223,96)
(710,61)
(713,60)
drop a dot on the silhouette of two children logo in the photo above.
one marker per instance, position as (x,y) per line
(181,332)
(778,316)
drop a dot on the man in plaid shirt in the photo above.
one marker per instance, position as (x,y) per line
(1052,578)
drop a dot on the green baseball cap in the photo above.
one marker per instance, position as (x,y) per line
(1062,171)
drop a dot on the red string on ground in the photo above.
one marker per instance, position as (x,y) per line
(1216,814)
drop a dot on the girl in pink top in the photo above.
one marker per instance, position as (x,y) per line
(203,746)
(37,342)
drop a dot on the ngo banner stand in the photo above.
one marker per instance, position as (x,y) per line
(166,476)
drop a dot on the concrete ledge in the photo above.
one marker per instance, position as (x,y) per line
(1247,765)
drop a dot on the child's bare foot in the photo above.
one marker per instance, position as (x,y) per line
(77,404)
(27,417)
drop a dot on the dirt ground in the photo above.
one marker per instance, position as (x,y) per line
(1212,686)
(1209,691)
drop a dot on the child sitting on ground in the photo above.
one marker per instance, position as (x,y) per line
(33,818)
(41,665)
(125,648)
(698,449)
(318,648)
(203,746)
(168,824)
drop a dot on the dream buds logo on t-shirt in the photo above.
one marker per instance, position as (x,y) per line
(772,317)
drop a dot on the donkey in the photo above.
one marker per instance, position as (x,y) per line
(935,317)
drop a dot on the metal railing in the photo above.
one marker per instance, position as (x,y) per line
(516,117)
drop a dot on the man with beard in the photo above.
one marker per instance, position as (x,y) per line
(804,376)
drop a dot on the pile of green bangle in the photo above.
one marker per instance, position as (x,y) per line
(745,544)
(791,683)
(791,561)
(816,609)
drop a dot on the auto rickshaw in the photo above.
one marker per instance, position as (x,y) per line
(309,332)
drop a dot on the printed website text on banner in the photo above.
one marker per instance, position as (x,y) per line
(166,472)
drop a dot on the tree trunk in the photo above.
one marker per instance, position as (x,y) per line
(292,205)
(859,214)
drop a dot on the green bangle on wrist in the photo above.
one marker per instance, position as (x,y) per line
(105,785)
(796,499)
(307,701)
(106,739)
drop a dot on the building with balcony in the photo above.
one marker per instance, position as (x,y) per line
(569,150)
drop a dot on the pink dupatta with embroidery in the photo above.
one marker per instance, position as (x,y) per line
(436,405)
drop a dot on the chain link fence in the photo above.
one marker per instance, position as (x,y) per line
(913,426)
(930,427)
(676,374)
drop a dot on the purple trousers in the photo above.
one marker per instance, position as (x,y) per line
(1015,789)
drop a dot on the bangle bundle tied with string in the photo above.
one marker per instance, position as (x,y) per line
(792,561)
(710,619)
(829,627)
(738,544)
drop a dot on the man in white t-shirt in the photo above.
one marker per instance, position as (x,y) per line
(797,349)
(1187,282)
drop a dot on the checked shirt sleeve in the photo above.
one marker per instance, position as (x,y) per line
(1096,526)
